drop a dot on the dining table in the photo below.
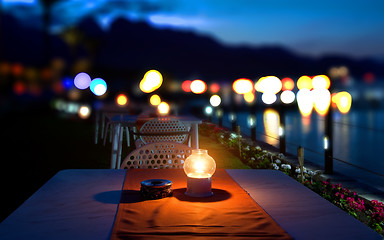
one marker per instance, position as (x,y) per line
(246,204)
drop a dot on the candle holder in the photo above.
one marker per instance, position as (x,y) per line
(199,168)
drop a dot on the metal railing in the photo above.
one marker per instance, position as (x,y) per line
(246,130)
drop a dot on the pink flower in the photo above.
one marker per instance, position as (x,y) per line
(357,205)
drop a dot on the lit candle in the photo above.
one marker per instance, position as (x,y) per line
(199,168)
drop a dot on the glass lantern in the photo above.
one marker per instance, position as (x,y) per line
(199,168)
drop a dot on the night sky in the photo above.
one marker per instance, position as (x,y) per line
(315,28)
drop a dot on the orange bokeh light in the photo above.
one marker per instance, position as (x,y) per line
(5,68)
(155,100)
(304,82)
(121,99)
(17,69)
(288,84)
(151,81)
(343,101)
(242,86)
(249,97)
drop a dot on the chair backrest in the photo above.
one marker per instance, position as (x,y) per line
(163,129)
(158,155)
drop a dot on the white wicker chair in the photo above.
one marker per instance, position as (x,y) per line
(162,129)
(157,155)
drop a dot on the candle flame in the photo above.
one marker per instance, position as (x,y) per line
(199,167)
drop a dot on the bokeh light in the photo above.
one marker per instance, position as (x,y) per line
(339,72)
(98,86)
(58,64)
(287,96)
(305,101)
(155,100)
(304,82)
(198,86)
(268,97)
(259,84)
(31,74)
(151,81)
(74,94)
(274,84)
(242,86)
(321,100)
(232,116)
(321,81)
(208,110)
(82,80)
(121,99)
(251,121)
(67,83)
(186,86)
(287,84)
(214,88)
(325,143)
(369,77)
(17,69)
(19,88)
(84,112)
(5,68)
(249,97)
(173,86)
(215,100)
(163,108)
(219,113)
(269,84)
(343,101)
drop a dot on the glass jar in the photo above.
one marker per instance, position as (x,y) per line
(199,164)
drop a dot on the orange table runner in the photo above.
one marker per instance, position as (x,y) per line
(229,214)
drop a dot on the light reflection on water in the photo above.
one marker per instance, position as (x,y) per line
(358,138)
(271,121)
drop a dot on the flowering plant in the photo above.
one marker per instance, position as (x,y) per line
(370,213)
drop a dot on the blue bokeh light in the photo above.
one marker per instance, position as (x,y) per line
(67,82)
(98,86)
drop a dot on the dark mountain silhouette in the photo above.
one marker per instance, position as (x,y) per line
(137,45)
(130,48)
